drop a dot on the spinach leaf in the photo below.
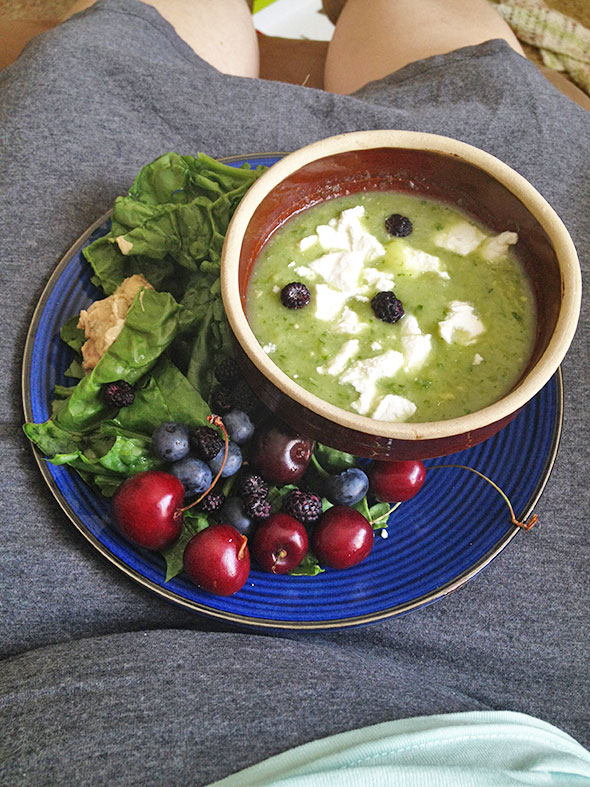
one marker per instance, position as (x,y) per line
(309,567)
(111,266)
(149,328)
(165,395)
(332,460)
(192,524)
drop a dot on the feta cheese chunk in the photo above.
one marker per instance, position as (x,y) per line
(363,376)
(340,269)
(462,325)
(394,408)
(348,234)
(349,322)
(307,242)
(347,351)
(416,345)
(304,272)
(461,238)
(379,280)
(416,261)
(497,246)
(328,302)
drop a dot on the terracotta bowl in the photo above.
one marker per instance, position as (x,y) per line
(422,164)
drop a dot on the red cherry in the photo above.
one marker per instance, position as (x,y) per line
(147,509)
(217,559)
(392,482)
(342,537)
(280,543)
(280,454)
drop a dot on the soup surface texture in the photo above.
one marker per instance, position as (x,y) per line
(469,313)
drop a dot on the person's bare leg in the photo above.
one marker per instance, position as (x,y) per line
(219,31)
(374,38)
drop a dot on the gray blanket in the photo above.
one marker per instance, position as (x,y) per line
(104,683)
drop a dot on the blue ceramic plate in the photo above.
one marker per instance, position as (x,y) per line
(436,542)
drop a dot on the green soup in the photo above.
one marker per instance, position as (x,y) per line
(469,311)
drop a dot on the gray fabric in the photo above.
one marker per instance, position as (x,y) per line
(86,700)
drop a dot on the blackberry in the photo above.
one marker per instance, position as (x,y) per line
(304,506)
(295,295)
(211,502)
(206,442)
(387,307)
(257,506)
(221,401)
(119,394)
(398,225)
(227,372)
(243,398)
(253,484)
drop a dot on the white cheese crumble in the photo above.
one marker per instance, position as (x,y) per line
(328,302)
(349,322)
(348,234)
(379,280)
(347,351)
(304,272)
(340,269)
(416,345)
(416,261)
(308,242)
(477,359)
(496,247)
(462,325)
(363,376)
(394,408)
(461,238)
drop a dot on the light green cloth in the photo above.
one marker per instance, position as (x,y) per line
(563,42)
(478,749)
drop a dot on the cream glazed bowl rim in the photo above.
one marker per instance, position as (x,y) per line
(538,207)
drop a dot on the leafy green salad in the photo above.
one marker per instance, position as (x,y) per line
(170,228)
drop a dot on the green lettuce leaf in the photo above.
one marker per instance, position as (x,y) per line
(150,326)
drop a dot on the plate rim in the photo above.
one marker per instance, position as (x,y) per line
(232,617)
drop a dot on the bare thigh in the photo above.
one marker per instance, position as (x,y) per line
(373,38)
(219,31)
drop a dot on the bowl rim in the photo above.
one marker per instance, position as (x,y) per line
(537,205)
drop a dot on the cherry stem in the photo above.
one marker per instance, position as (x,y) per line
(242,550)
(524,525)
(216,421)
(387,514)
(279,556)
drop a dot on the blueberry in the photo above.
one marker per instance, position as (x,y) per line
(232,513)
(170,441)
(194,475)
(233,463)
(347,488)
(239,426)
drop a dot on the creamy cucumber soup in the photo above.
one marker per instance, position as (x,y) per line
(393,306)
